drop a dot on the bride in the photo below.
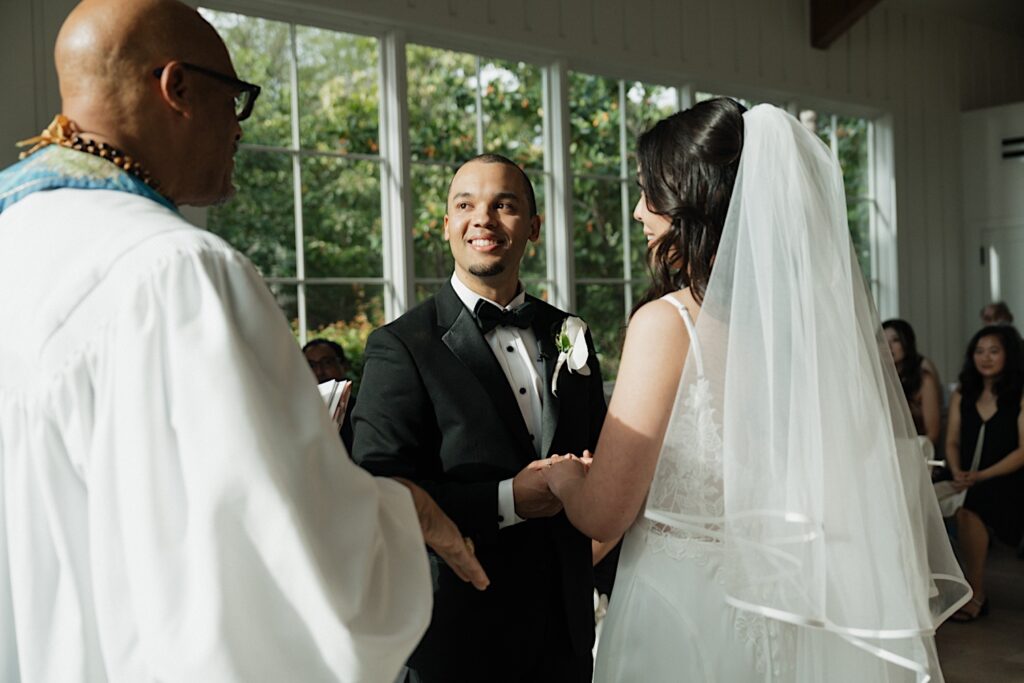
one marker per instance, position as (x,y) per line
(758,452)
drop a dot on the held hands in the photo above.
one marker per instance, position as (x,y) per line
(444,538)
(530,492)
(563,471)
(965,480)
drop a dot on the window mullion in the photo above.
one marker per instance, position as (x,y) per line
(627,257)
(479,107)
(396,192)
(296,143)
(558,185)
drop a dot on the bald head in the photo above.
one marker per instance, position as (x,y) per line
(137,74)
(106,48)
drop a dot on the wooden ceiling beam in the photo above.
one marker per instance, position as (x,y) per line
(832,18)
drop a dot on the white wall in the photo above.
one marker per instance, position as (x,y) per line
(919,71)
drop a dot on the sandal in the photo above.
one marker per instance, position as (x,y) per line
(962,616)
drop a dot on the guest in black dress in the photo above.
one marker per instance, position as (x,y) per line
(986,407)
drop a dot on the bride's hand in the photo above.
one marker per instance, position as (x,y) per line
(562,470)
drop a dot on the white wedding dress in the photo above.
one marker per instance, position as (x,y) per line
(790,533)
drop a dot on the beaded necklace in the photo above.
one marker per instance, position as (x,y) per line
(63,131)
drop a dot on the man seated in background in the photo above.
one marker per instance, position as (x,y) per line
(328,361)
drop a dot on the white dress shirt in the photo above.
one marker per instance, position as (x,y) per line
(516,352)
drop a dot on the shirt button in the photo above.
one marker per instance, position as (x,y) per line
(532,437)
(501,518)
(510,349)
(522,390)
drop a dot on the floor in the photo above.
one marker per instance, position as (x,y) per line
(991,649)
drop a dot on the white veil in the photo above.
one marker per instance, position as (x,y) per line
(814,488)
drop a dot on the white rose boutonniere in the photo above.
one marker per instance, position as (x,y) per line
(571,341)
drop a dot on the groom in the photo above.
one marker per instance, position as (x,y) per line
(458,395)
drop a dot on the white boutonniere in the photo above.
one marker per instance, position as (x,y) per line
(571,341)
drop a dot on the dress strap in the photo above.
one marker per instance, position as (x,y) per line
(691,328)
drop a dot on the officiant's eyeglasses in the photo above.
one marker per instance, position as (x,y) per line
(247,92)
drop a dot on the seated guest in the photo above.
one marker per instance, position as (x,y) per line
(996,313)
(328,361)
(985,417)
(918,377)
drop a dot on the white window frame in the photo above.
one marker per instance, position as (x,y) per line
(399,279)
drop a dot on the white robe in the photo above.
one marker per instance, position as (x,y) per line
(173,503)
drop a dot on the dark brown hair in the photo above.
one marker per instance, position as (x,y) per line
(1010,382)
(688,164)
(910,368)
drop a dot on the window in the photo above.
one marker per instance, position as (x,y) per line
(313,183)
(606,117)
(308,209)
(849,138)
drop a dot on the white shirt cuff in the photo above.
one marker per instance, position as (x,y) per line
(507,505)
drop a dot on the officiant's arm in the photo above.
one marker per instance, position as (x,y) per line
(395,435)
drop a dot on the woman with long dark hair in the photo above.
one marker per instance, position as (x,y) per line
(757,453)
(920,383)
(986,421)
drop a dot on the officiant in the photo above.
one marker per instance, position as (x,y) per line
(466,394)
(173,503)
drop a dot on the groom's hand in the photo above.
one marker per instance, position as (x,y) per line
(531,494)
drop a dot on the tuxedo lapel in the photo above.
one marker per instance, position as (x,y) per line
(463,338)
(545,327)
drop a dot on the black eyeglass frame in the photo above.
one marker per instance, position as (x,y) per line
(251,90)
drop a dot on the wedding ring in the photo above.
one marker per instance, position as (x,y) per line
(469,545)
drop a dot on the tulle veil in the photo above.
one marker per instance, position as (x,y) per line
(815,490)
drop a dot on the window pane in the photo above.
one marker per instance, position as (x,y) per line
(341,217)
(513,115)
(637,240)
(260,220)
(852,141)
(594,124)
(535,260)
(597,218)
(338,91)
(343,306)
(859,214)
(603,308)
(431,254)
(287,299)
(261,53)
(646,104)
(442,104)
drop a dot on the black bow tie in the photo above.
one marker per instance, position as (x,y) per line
(488,316)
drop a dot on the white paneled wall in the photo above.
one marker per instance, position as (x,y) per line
(918,71)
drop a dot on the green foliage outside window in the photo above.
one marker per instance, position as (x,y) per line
(339,138)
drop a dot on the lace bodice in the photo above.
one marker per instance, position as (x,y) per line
(685,499)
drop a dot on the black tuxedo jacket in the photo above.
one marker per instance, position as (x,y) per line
(436,408)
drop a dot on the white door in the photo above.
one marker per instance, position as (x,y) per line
(1004,268)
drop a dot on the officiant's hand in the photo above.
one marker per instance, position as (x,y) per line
(531,494)
(444,538)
